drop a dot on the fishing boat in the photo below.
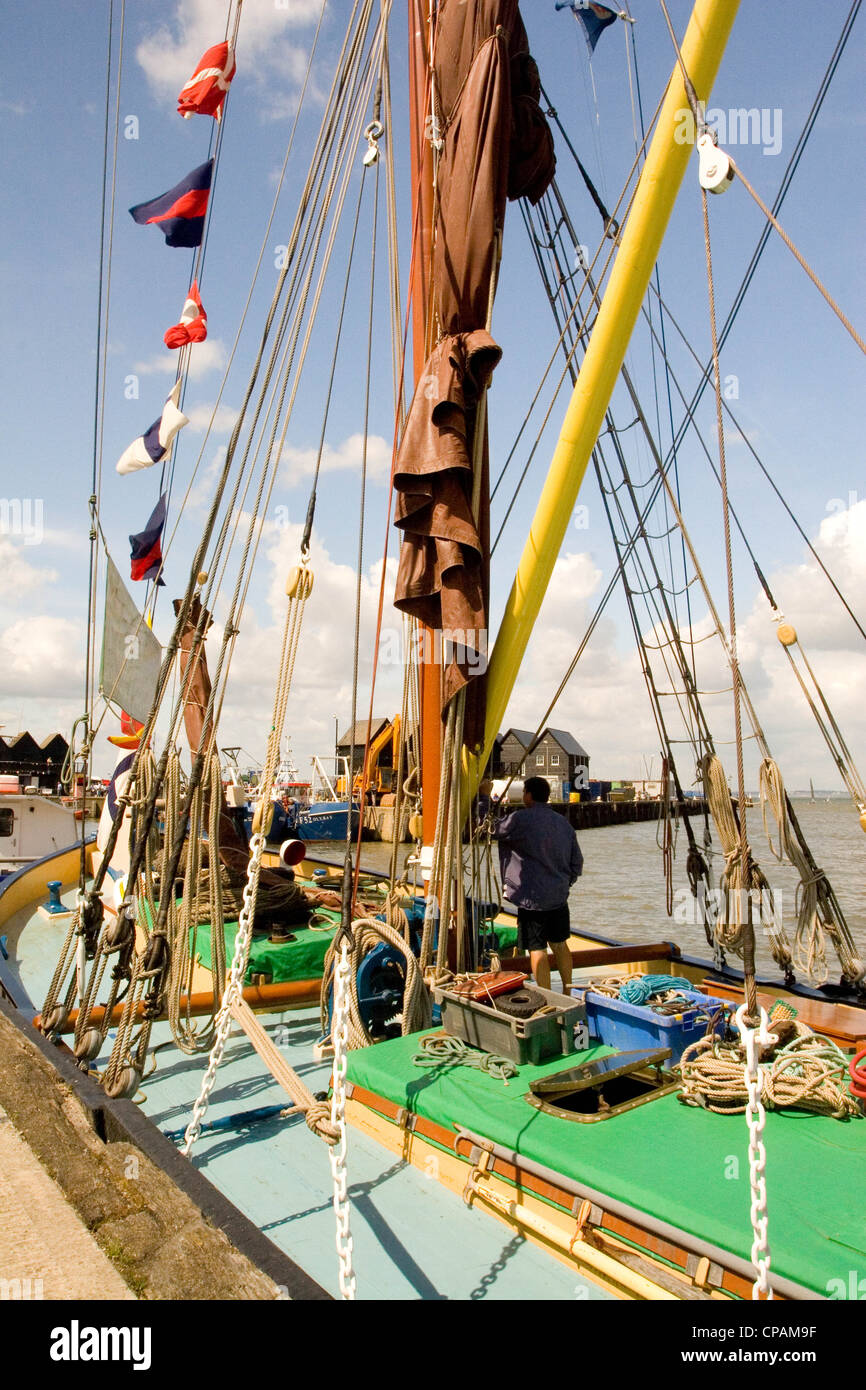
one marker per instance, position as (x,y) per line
(31,826)
(601,1158)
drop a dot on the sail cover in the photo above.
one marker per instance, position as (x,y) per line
(495,145)
(131,655)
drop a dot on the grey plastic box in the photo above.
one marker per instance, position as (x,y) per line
(520,1039)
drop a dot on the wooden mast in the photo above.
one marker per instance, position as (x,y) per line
(422,343)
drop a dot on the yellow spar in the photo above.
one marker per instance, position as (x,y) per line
(660,180)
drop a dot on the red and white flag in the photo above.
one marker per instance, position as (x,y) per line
(192,327)
(206,90)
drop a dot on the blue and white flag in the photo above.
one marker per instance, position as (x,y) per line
(152,446)
(593,18)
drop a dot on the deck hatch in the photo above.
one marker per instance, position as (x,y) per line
(603,1088)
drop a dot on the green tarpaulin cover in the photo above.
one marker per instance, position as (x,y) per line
(682,1165)
(301,959)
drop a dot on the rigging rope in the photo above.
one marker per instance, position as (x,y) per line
(818,912)
(741,877)
(352,54)
(298,588)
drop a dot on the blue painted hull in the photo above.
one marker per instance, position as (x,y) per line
(326,820)
(323,820)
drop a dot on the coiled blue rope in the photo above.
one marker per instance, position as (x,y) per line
(641,991)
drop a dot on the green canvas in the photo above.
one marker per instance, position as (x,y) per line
(301,959)
(682,1165)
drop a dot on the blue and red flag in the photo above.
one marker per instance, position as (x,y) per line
(146,553)
(593,18)
(180,212)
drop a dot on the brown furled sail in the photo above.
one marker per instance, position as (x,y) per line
(494,144)
(196,697)
(279,899)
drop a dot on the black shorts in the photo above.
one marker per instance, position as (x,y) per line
(539,929)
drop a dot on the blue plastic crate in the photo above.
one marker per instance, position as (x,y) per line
(630,1026)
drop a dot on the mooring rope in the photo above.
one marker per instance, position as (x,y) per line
(809,1072)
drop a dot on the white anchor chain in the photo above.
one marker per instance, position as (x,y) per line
(756,1118)
(337,1153)
(233,990)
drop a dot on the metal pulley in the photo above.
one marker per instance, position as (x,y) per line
(124,1085)
(714,167)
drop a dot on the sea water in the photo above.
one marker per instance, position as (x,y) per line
(621,893)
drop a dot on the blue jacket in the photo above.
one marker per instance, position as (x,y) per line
(539,857)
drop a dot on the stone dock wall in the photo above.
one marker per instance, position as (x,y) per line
(165,1228)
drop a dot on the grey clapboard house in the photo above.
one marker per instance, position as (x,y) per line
(556,755)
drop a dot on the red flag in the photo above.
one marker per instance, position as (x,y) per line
(131,732)
(192,327)
(206,90)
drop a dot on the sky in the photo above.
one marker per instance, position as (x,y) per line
(794,374)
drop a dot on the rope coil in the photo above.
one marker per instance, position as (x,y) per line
(808,1072)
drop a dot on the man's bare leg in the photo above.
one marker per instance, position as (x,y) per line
(562,956)
(540,968)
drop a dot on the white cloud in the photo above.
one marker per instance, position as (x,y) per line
(300,463)
(209,356)
(202,490)
(266,56)
(734,439)
(805,595)
(18,108)
(22,572)
(606,705)
(41,655)
(199,417)
(322,684)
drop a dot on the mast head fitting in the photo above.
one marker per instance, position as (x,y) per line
(374,130)
(714,167)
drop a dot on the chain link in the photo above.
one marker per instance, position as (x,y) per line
(337,1154)
(756,1117)
(233,990)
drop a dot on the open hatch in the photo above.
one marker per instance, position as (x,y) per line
(603,1088)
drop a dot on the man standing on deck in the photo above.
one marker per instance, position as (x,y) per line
(539,860)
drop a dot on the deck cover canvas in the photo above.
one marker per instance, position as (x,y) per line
(682,1165)
(301,959)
